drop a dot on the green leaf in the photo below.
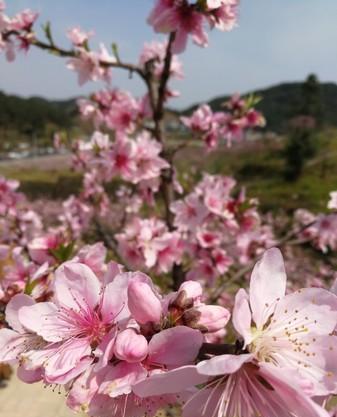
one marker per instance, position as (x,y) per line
(64,252)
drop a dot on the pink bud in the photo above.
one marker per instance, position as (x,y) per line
(143,304)
(212,318)
(193,289)
(130,346)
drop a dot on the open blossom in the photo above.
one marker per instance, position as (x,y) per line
(124,113)
(19,339)
(76,215)
(88,65)
(320,229)
(148,162)
(218,228)
(154,53)
(15,32)
(230,124)
(182,18)
(116,109)
(187,19)
(189,213)
(148,243)
(235,385)
(15,271)
(224,16)
(81,315)
(120,160)
(291,330)
(23,20)
(41,248)
(78,37)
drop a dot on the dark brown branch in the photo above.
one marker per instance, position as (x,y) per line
(218,349)
(72,53)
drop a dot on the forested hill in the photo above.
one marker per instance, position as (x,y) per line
(281,102)
(33,114)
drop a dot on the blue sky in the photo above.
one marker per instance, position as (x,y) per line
(276,41)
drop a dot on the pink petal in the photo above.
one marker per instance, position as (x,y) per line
(120,379)
(242,316)
(12,310)
(67,361)
(76,286)
(176,346)
(224,364)
(170,382)
(315,307)
(34,318)
(267,284)
(114,303)
(11,345)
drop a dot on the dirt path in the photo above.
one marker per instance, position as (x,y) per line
(43,163)
(22,400)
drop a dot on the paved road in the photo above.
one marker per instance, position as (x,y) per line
(22,400)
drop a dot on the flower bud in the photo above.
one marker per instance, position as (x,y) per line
(193,289)
(130,346)
(143,304)
(209,318)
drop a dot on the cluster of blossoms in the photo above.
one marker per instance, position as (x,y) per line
(186,18)
(28,249)
(148,243)
(132,159)
(118,347)
(15,32)
(120,111)
(219,229)
(228,125)
(111,339)
(115,109)
(322,228)
(89,65)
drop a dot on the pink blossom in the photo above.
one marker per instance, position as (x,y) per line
(201,119)
(148,162)
(93,256)
(154,53)
(189,213)
(223,17)
(89,66)
(120,160)
(17,271)
(288,330)
(78,37)
(182,18)
(228,379)
(40,249)
(81,315)
(23,20)
(148,242)
(20,340)
(76,215)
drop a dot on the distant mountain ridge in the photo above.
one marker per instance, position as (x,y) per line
(35,113)
(280,103)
